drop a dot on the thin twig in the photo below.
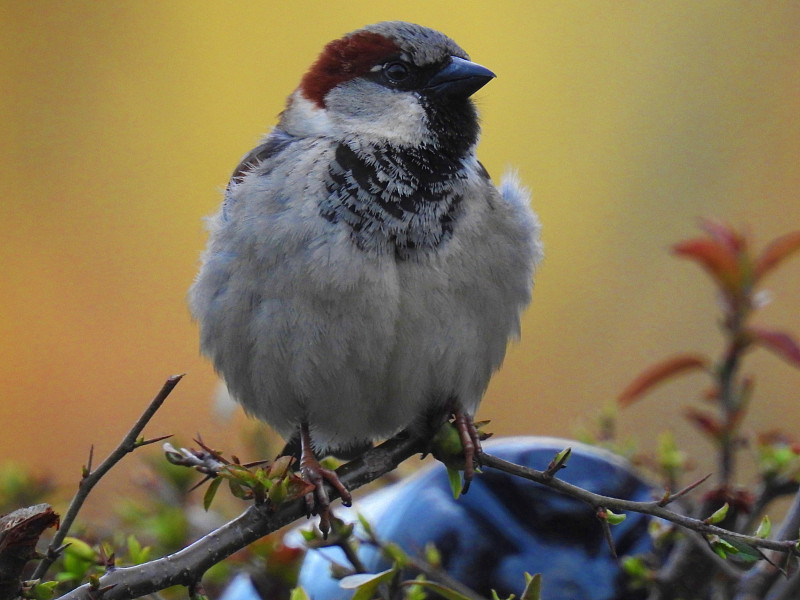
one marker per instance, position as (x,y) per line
(607,535)
(90,478)
(702,544)
(432,572)
(761,577)
(443,577)
(188,565)
(352,556)
(679,494)
(726,380)
(648,508)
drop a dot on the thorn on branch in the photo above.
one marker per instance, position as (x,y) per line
(55,553)
(668,498)
(87,468)
(95,591)
(97,594)
(90,477)
(108,560)
(142,442)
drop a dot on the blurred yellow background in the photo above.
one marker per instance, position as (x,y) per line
(120,122)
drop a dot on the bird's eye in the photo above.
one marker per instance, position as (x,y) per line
(396,72)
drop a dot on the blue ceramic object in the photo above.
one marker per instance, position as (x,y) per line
(505,526)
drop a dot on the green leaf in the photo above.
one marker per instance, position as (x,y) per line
(719,550)
(635,567)
(432,555)
(358,580)
(136,553)
(533,587)
(134,547)
(79,549)
(743,550)
(280,467)
(107,550)
(208,497)
(764,528)
(365,525)
(278,492)
(298,593)
(562,457)
(454,477)
(722,547)
(237,490)
(396,554)
(444,592)
(416,592)
(718,515)
(365,584)
(446,446)
(614,518)
(42,591)
(77,560)
(308,535)
(343,531)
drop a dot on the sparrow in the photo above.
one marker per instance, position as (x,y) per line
(364,275)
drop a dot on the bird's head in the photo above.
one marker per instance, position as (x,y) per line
(390,83)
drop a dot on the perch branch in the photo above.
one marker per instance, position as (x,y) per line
(653,508)
(187,566)
(90,478)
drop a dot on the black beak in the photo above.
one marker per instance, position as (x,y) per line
(459,78)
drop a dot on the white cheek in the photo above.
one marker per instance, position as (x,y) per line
(402,121)
(366,110)
(303,118)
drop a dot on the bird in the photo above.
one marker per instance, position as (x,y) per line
(364,275)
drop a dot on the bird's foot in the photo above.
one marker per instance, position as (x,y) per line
(471,442)
(318,502)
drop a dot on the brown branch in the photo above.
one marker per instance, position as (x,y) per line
(653,508)
(761,577)
(442,577)
(90,478)
(609,538)
(668,498)
(436,574)
(186,567)
(19,532)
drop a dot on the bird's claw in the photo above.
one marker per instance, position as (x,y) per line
(318,502)
(471,442)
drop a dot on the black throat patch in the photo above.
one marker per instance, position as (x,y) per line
(400,200)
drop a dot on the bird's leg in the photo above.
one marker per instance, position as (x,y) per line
(313,472)
(470,440)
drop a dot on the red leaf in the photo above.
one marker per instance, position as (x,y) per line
(774,437)
(775,252)
(705,422)
(725,235)
(658,373)
(778,342)
(718,259)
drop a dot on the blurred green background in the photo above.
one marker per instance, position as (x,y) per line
(120,123)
